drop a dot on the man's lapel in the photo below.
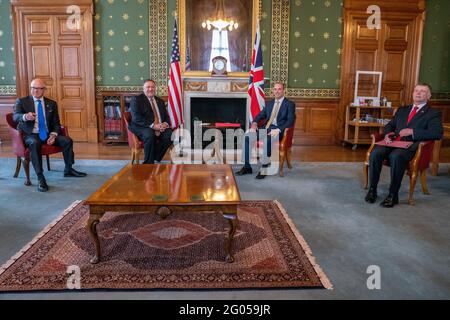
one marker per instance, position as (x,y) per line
(418,115)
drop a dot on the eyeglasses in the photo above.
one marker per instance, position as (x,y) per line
(38,88)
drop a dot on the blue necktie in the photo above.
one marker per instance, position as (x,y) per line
(41,121)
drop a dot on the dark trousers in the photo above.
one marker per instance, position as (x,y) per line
(249,138)
(154,150)
(34,143)
(398,161)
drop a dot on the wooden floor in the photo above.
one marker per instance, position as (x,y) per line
(300,153)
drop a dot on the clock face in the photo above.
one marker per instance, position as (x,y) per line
(219,64)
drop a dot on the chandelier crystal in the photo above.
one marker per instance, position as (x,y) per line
(220,22)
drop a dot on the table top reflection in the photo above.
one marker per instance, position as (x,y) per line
(169,184)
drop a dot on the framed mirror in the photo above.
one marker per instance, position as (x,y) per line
(368,88)
(211,28)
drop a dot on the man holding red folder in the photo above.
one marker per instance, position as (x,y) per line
(413,123)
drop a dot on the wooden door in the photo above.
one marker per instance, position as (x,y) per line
(47,48)
(394,49)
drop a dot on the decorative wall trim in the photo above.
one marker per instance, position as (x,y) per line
(307,93)
(158,44)
(280,40)
(100,89)
(6,90)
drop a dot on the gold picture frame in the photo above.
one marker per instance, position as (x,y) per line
(182,13)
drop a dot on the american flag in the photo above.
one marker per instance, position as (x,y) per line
(175,106)
(256,81)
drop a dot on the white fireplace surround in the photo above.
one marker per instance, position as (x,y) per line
(213,87)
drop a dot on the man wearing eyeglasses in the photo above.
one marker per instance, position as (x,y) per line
(38,119)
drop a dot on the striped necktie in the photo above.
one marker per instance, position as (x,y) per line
(275,110)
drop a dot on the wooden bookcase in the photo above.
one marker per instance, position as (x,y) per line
(111,107)
(358,130)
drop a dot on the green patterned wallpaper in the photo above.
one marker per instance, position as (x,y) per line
(434,67)
(7,67)
(315,34)
(121,42)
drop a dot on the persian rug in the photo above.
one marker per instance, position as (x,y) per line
(183,251)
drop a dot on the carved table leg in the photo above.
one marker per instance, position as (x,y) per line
(92,228)
(232,220)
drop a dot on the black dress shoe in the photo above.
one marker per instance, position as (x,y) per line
(371,196)
(390,201)
(260,176)
(244,170)
(74,173)
(42,186)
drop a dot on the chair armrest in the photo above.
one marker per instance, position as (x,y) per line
(423,155)
(375,138)
(64,131)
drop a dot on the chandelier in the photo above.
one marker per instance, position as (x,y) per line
(220,22)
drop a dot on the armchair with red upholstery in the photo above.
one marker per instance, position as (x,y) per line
(417,166)
(135,144)
(21,151)
(285,149)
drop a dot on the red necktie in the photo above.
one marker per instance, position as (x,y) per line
(412,114)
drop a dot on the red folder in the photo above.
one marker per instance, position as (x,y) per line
(395,144)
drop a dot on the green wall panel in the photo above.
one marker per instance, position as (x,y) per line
(434,67)
(7,66)
(121,42)
(315,35)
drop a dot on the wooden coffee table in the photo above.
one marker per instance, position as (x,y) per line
(164,188)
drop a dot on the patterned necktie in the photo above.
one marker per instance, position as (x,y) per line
(156,116)
(274,113)
(41,122)
(412,114)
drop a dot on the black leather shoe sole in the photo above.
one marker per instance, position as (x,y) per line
(389,202)
(371,198)
(260,176)
(244,171)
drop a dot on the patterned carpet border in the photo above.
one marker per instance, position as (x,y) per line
(13,278)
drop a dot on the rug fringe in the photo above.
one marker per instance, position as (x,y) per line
(37,237)
(322,276)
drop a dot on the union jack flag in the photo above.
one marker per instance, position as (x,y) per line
(256,80)
(175,105)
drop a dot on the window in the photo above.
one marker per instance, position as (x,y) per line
(219,47)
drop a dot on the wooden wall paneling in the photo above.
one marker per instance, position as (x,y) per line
(47,48)
(6,106)
(394,49)
(315,123)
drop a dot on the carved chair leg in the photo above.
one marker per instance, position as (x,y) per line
(48,162)
(412,185)
(137,156)
(26,168)
(132,157)
(282,159)
(289,158)
(18,163)
(423,181)
(366,175)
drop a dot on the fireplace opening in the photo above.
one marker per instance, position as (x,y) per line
(218,110)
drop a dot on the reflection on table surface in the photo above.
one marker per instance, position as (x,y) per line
(169,183)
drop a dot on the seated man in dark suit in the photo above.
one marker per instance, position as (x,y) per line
(417,122)
(149,120)
(276,116)
(39,121)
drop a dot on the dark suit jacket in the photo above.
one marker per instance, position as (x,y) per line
(285,117)
(26,104)
(142,114)
(426,124)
